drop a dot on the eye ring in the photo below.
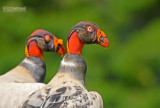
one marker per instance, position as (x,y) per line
(47,38)
(90,29)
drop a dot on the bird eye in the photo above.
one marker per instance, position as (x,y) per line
(90,28)
(47,38)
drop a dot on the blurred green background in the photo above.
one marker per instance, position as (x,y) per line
(127,74)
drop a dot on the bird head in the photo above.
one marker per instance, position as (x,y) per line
(85,32)
(42,40)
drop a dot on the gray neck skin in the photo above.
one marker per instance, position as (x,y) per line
(75,65)
(36,66)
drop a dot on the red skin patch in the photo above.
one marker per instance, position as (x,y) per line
(35,51)
(74,44)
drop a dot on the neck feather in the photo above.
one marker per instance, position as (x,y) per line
(75,65)
(74,44)
(36,66)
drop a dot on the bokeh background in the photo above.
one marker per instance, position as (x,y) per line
(127,74)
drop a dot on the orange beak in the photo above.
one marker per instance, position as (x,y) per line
(59,43)
(102,39)
(61,50)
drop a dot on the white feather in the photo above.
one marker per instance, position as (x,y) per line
(29,62)
(65,63)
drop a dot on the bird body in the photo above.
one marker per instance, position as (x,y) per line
(67,88)
(13,94)
(33,68)
(17,84)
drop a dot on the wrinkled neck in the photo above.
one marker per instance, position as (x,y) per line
(34,50)
(74,44)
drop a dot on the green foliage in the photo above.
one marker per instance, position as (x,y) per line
(127,74)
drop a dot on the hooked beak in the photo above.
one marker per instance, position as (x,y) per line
(102,39)
(59,48)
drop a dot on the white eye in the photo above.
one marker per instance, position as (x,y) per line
(89,28)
